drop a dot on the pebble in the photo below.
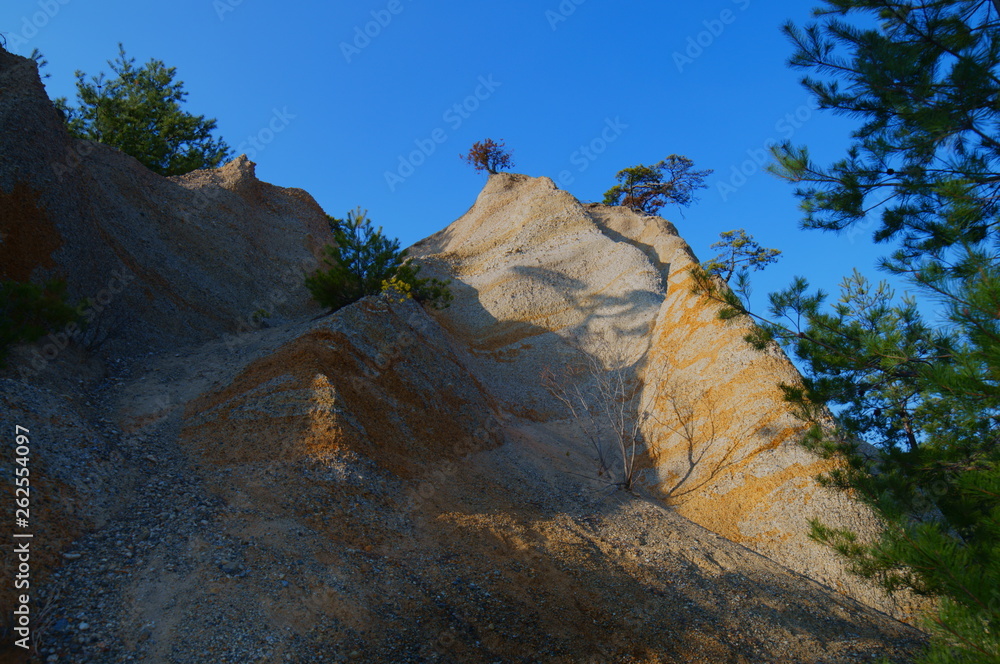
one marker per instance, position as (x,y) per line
(230,567)
(83,626)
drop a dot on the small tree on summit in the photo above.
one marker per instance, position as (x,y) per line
(649,188)
(489,156)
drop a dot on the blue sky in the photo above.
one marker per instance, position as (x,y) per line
(332,97)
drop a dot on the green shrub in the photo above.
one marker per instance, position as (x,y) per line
(29,311)
(366,262)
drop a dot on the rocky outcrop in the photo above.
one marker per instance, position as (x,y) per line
(158,263)
(161,260)
(539,276)
(377,381)
(533,275)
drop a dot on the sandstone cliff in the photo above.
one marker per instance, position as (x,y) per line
(539,274)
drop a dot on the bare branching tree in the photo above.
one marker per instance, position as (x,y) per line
(626,411)
(601,396)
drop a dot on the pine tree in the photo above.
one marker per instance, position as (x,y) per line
(139,112)
(740,255)
(364,261)
(648,188)
(916,401)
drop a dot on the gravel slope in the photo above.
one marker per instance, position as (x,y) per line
(504,554)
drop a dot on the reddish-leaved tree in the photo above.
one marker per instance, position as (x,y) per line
(489,156)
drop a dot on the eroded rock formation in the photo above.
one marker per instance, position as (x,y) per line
(389,483)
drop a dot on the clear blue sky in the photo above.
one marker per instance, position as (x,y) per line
(632,82)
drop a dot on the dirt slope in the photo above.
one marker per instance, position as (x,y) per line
(472,550)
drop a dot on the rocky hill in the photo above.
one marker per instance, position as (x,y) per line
(163,260)
(542,277)
(222,473)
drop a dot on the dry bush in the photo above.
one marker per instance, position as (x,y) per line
(624,411)
(600,395)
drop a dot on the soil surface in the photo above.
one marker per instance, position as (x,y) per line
(508,554)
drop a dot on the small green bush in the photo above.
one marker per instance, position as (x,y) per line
(29,311)
(363,261)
